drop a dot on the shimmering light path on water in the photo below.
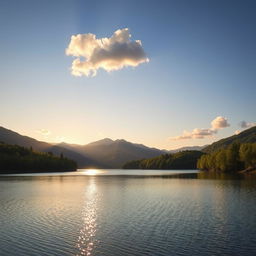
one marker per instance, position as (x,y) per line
(179,214)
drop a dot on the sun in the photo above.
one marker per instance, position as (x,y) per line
(92,171)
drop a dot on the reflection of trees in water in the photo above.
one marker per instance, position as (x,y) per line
(86,240)
(237,181)
(208,175)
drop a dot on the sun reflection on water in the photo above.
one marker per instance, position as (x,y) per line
(86,240)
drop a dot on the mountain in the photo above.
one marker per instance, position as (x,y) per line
(115,153)
(10,137)
(180,160)
(104,153)
(197,148)
(14,138)
(247,136)
(107,153)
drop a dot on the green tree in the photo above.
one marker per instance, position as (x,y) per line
(248,154)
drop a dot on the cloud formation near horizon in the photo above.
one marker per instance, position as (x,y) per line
(244,124)
(237,132)
(113,53)
(218,123)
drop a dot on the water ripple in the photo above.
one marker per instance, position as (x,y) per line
(127,216)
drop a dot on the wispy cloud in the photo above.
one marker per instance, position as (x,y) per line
(201,133)
(113,53)
(44,132)
(195,134)
(244,124)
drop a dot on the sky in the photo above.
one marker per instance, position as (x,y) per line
(195,62)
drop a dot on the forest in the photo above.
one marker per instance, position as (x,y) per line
(181,160)
(14,158)
(236,157)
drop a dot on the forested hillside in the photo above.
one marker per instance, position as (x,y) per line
(235,157)
(15,158)
(247,136)
(180,160)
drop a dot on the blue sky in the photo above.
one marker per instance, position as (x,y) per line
(202,65)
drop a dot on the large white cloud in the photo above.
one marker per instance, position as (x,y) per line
(111,53)
(219,122)
(197,133)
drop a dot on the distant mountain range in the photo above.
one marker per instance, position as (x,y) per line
(109,153)
(104,153)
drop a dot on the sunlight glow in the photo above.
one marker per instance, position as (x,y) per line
(93,172)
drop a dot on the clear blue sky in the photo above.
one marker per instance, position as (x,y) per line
(202,65)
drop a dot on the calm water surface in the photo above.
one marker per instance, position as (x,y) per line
(109,212)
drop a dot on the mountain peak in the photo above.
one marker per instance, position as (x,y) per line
(121,140)
(105,141)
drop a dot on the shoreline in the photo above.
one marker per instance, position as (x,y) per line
(251,170)
(34,172)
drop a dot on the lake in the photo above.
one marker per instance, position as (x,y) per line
(125,212)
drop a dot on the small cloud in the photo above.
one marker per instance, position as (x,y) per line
(113,53)
(44,132)
(244,124)
(219,122)
(237,132)
(197,133)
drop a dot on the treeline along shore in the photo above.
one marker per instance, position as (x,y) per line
(235,158)
(17,159)
(180,161)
